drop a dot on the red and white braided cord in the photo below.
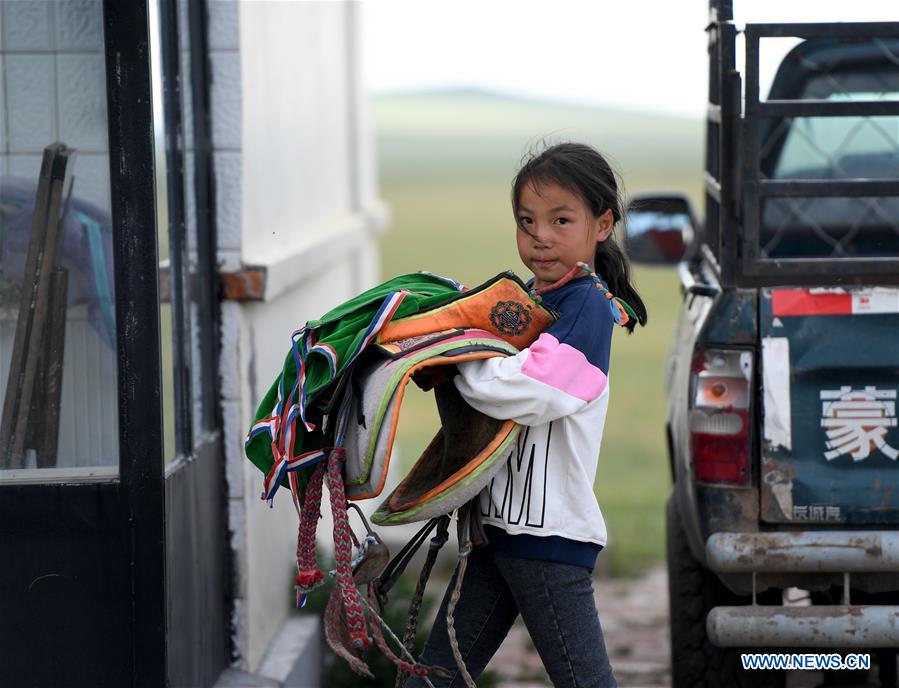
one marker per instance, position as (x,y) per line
(353,611)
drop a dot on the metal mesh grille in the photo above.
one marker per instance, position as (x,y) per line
(835,148)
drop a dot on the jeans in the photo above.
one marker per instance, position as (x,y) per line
(556,603)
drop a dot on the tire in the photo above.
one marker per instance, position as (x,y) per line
(692,592)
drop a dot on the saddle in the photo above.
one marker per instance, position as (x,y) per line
(340,431)
(460,459)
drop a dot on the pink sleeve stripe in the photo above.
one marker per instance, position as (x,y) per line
(565,368)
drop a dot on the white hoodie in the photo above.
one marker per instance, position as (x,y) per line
(558,389)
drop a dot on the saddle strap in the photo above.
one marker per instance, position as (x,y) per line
(476,527)
(411,629)
(469,530)
(465,547)
(404,667)
(392,572)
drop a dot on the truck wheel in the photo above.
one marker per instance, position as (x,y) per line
(692,592)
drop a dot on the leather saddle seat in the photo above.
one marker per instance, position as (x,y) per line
(496,319)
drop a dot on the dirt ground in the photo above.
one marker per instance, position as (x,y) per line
(634,617)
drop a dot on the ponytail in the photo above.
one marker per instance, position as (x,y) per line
(611,263)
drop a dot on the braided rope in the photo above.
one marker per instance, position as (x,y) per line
(403,667)
(411,629)
(450,624)
(336,637)
(354,613)
(308,575)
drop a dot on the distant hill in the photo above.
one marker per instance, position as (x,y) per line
(486,95)
(431,136)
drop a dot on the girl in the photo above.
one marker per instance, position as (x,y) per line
(540,514)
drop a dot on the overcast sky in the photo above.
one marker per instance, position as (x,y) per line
(631,54)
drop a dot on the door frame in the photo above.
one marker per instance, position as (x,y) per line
(93,568)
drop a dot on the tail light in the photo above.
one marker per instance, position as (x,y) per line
(721,392)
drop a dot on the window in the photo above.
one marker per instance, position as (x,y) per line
(835,148)
(57,317)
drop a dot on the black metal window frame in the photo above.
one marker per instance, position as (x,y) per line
(719,245)
(136,269)
(179,286)
(197,555)
(184,284)
(756,269)
(95,568)
(733,184)
(150,492)
(206,284)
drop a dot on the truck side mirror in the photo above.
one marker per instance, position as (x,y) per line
(660,229)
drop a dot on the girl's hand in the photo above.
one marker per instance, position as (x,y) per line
(430,377)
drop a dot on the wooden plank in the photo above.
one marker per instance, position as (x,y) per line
(15,381)
(42,250)
(42,433)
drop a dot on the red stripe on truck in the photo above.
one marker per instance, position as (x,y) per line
(787,302)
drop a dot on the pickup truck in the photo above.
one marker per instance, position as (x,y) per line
(783,376)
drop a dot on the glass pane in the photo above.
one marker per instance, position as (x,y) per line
(163,225)
(57,315)
(832,227)
(835,149)
(201,321)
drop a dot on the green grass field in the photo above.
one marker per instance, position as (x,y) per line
(446,161)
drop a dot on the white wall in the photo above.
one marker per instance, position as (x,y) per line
(296,196)
(297,174)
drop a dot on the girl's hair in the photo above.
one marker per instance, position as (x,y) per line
(585,172)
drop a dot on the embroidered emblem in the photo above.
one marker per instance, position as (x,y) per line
(510,317)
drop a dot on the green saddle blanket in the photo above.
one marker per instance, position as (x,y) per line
(287,437)
(320,352)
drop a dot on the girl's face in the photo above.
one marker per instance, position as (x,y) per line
(556,230)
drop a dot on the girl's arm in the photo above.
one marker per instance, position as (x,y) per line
(548,380)
(561,372)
